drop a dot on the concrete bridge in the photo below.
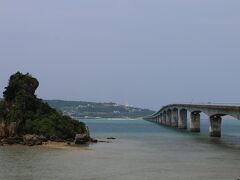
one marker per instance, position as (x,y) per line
(175,115)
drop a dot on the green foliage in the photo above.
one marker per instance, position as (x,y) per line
(20,85)
(32,115)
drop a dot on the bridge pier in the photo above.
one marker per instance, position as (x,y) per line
(164,117)
(182,119)
(215,126)
(174,119)
(169,117)
(195,122)
(160,118)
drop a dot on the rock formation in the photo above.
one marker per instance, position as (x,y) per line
(28,120)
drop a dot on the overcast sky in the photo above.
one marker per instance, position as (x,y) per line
(145,52)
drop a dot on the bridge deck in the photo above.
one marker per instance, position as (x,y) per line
(175,115)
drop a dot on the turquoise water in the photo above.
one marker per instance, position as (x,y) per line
(142,151)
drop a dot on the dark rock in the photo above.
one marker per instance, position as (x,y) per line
(12,140)
(43,138)
(32,139)
(56,139)
(53,138)
(101,141)
(94,140)
(111,138)
(81,138)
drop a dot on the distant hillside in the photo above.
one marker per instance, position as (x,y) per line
(81,109)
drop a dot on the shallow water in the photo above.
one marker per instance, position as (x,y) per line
(142,151)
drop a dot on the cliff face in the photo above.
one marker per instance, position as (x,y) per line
(8,129)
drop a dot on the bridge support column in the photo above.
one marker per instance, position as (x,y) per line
(195,122)
(169,117)
(215,126)
(164,118)
(161,118)
(182,120)
(174,119)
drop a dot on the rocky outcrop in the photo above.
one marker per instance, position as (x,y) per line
(83,138)
(24,117)
(11,140)
(32,139)
(8,135)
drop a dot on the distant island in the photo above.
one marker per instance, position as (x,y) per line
(26,119)
(93,110)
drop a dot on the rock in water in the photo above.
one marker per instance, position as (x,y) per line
(83,138)
(111,138)
(94,140)
(32,139)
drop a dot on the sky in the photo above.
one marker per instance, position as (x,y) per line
(146,53)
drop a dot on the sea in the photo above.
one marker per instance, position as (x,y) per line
(141,151)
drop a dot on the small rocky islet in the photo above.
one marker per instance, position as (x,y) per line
(28,120)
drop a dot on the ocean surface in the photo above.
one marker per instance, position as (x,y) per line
(142,151)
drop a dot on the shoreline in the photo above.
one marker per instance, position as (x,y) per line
(63,144)
(115,119)
(54,145)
